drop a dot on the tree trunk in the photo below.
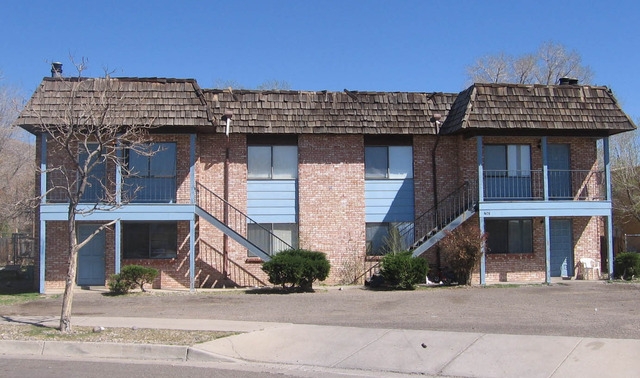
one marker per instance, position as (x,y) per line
(69,285)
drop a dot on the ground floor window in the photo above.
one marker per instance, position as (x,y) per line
(145,240)
(273,237)
(509,235)
(388,236)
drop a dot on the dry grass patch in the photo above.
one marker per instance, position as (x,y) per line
(113,335)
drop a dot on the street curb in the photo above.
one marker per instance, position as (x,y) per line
(108,350)
(199,355)
(33,348)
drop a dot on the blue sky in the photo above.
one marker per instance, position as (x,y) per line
(372,45)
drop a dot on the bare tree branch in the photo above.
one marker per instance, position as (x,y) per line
(547,65)
(89,134)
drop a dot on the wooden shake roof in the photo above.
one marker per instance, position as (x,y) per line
(348,112)
(179,105)
(550,109)
(170,103)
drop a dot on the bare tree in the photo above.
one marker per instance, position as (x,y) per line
(88,132)
(625,175)
(274,85)
(16,170)
(547,65)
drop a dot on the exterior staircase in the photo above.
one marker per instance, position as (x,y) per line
(449,213)
(234,223)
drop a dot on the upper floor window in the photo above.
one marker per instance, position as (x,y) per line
(152,173)
(388,162)
(96,169)
(272,162)
(513,160)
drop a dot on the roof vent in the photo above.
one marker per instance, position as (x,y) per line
(56,69)
(568,81)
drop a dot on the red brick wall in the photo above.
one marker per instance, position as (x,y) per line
(331,207)
(331,198)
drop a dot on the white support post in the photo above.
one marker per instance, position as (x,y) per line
(118,251)
(192,255)
(547,249)
(545,169)
(43,200)
(192,222)
(483,253)
(607,175)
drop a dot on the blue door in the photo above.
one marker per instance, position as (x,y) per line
(91,257)
(561,240)
(559,171)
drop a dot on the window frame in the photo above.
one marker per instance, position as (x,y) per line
(272,228)
(96,194)
(395,159)
(133,239)
(382,248)
(149,165)
(514,160)
(275,169)
(522,245)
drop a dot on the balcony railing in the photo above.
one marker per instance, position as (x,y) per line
(570,185)
(133,190)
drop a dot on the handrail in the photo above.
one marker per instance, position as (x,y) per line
(463,198)
(237,220)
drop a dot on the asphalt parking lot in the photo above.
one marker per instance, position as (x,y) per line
(569,308)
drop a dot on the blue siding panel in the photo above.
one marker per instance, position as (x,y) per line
(272,201)
(389,200)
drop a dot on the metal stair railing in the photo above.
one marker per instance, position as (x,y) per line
(446,211)
(238,222)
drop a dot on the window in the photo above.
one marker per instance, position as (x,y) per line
(94,190)
(509,235)
(379,239)
(512,160)
(507,171)
(151,173)
(388,162)
(157,240)
(262,236)
(272,162)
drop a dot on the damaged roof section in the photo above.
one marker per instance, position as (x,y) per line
(166,103)
(348,112)
(508,109)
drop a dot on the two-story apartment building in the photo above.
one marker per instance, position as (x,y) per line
(239,175)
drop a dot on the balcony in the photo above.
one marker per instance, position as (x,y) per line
(567,185)
(133,190)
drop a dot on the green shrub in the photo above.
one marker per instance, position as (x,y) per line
(131,276)
(403,271)
(297,268)
(627,265)
(461,251)
(117,285)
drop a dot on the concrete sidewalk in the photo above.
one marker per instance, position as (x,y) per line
(376,352)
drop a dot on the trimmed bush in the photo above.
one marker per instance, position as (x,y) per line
(403,271)
(131,276)
(297,268)
(117,285)
(627,265)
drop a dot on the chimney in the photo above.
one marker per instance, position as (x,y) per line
(568,81)
(56,69)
